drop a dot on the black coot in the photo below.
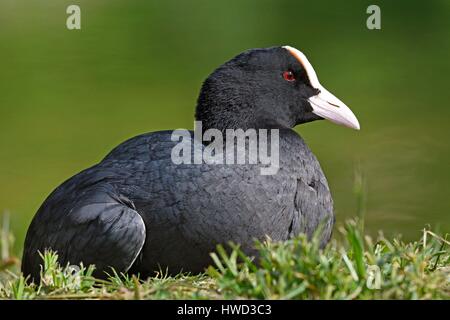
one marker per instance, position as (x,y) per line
(138,211)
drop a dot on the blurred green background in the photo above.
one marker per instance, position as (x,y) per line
(68,97)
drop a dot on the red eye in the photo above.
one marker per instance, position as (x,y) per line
(288,76)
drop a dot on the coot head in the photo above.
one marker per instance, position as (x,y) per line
(268,88)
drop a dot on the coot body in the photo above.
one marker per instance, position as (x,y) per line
(138,211)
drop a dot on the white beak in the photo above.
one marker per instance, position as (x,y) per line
(325,104)
(329,107)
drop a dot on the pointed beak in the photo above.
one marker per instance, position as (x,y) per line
(329,107)
(325,104)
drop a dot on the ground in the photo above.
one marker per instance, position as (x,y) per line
(352,266)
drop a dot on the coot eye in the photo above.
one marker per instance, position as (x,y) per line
(288,76)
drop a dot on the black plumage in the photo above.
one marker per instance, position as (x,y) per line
(137,211)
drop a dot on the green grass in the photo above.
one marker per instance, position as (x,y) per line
(352,266)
